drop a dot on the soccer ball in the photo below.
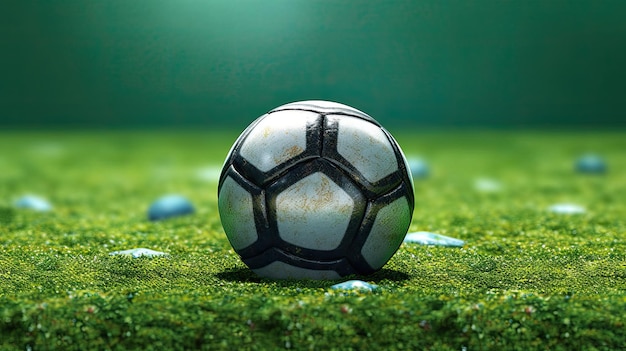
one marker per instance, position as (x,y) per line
(315,190)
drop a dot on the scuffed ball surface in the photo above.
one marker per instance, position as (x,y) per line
(315,190)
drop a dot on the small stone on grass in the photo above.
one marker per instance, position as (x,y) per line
(209,173)
(427,238)
(139,252)
(567,208)
(169,206)
(590,164)
(33,202)
(487,185)
(419,167)
(356,285)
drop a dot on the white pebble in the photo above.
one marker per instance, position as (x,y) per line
(139,252)
(34,203)
(487,185)
(355,285)
(209,173)
(427,238)
(566,208)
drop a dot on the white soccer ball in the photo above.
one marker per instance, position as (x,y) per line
(315,190)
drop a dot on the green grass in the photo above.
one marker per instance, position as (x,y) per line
(526,278)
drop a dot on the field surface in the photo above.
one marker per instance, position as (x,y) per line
(525,279)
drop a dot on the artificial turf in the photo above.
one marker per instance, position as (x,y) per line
(525,279)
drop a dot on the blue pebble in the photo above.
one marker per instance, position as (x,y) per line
(358,285)
(169,206)
(34,203)
(591,164)
(419,167)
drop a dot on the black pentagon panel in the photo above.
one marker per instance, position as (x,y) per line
(260,178)
(333,109)
(355,255)
(370,189)
(341,266)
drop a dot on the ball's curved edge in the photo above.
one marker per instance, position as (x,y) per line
(325,107)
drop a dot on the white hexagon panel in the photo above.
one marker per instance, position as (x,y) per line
(277,138)
(237,201)
(387,233)
(314,213)
(365,146)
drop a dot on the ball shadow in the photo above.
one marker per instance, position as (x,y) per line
(387,274)
(245,275)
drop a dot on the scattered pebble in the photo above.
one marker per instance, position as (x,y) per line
(34,203)
(209,173)
(356,285)
(566,208)
(169,206)
(487,185)
(139,252)
(427,238)
(419,167)
(590,164)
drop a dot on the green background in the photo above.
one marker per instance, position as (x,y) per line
(222,63)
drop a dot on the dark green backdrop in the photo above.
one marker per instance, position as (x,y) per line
(221,63)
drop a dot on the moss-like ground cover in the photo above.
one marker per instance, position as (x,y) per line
(526,278)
